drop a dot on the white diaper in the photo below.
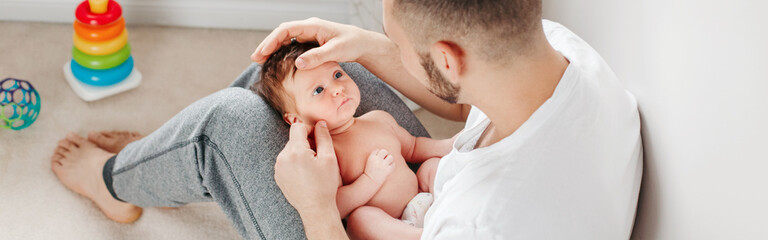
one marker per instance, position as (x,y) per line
(416,209)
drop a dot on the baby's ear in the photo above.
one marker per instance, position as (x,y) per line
(291,118)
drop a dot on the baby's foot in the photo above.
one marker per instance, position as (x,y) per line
(78,164)
(113,141)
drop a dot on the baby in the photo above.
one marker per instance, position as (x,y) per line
(372,149)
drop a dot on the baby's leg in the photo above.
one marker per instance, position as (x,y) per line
(426,175)
(368,222)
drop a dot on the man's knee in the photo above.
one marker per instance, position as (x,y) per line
(237,100)
(236,119)
(238,106)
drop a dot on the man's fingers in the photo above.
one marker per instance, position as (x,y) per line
(270,44)
(319,55)
(323,141)
(298,135)
(303,31)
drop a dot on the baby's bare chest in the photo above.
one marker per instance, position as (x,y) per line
(354,147)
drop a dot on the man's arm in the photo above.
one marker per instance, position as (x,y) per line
(309,181)
(323,223)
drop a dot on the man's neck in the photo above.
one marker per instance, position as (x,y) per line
(511,94)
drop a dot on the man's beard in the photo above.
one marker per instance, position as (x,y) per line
(437,83)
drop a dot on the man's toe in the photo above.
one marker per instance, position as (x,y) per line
(97,137)
(56,158)
(93,135)
(64,152)
(78,140)
(62,148)
(55,166)
(121,134)
(66,144)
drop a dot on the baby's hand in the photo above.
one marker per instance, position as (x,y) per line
(380,164)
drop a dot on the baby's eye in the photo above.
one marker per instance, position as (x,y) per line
(337,75)
(318,90)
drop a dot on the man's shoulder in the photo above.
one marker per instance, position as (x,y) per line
(579,53)
(555,31)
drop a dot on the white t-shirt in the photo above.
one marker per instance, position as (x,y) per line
(571,171)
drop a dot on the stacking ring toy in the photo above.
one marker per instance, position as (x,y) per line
(101,48)
(102,78)
(98,6)
(84,14)
(99,33)
(101,62)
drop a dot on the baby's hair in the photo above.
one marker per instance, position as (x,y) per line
(276,69)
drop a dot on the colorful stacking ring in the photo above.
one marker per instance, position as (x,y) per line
(84,14)
(102,77)
(99,33)
(101,48)
(98,6)
(101,62)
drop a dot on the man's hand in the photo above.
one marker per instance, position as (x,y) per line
(308,180)
(338,42)
(379,165)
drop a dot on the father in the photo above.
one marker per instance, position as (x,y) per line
(551,147)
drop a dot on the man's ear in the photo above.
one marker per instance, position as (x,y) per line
(291,118)
(449,59)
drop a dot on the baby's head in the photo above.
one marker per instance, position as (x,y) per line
(307,96)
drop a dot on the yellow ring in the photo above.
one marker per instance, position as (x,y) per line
(101,48)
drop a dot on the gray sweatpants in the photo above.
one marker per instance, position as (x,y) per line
(222,148)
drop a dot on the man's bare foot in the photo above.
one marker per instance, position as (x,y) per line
(113,141)
(78,164)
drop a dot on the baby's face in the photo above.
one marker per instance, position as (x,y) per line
(323,93)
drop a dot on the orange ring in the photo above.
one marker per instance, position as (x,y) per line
(101,48)
(96,34)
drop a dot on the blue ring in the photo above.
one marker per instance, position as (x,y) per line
(104,77)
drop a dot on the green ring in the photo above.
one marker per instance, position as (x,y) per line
(101,62)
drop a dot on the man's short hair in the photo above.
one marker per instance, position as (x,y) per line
(275,70)
(492,28)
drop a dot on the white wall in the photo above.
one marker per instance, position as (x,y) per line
(698,70)
(366,14)
(242,14)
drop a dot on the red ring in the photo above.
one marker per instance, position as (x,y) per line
(84,14)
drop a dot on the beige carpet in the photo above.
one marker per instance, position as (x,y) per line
(180,65)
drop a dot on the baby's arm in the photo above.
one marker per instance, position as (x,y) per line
(416,149)
(427,148)
(378,167)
